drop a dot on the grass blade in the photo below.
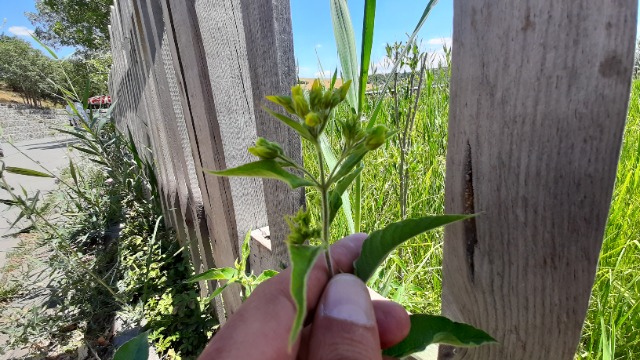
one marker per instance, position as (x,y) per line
(26,172)
(423,19)
(365,53)
(346,44)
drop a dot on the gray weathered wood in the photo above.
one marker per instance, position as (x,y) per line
(271,63)
(539,95)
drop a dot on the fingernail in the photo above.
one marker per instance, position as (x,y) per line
(347,299)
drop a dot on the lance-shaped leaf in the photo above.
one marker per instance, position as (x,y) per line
(26,172)
(134,349)
(433,329)
(265,169)
(380,243)
(226,273)
(291,123)
(350,162)
(219,290)
(335,195)
(302,259)
(368,23)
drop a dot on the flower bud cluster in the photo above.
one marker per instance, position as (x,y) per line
(301,229)
(315,109)
(265,149)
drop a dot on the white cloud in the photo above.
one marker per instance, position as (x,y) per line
(20,31)
(440,41)
(325,74)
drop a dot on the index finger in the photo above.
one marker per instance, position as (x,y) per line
(253,333)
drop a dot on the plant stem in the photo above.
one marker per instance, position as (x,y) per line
(324,190)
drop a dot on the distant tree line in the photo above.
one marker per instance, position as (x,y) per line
(37,77)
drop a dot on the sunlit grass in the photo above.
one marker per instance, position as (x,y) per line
(413,276)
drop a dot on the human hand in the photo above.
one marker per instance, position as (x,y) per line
(347,324)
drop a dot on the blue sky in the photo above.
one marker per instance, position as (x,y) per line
(312,28)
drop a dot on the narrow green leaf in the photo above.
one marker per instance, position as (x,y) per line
(51,52)
(86,150)
(244,253)
(346,44)
(134,349)
(266,275)
(333,79)
(218,291)
(365,53)
(73,133)
(335,195)
(72,170)
(423,19)
(291,123)
(380,243)
(350,162)
(265,169)
(331,160)
(432,329)
(26,172)
(8,202)
(85,95)
(302,259)
(226,273)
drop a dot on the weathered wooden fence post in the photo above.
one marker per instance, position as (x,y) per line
(538,103)
(191,76)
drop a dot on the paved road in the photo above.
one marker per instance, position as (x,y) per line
(51,153)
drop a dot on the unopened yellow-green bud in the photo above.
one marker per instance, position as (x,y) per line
(344,89)
(312,119)
(297,91)
(301,105)
(284,101)
(265,149)
(315,95)
(376,137)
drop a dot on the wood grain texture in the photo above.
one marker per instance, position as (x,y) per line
(269,45)
(539,95)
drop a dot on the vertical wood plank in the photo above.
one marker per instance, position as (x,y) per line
(269,44)
(539,95)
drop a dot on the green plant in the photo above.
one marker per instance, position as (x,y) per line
(312,113)
(235,275)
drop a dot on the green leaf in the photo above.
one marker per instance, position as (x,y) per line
(423,19)
(244,253)
(335,195)
(26,172)
(86,150)
(72,170)
(226,273)
(51,52)
(350,162)
(291,123)
(380,243)
(134,349)
(265,169)
(331,160)
(266,275)
(302,259)
(365,53)
(9,202)
(218,291)
(432,329)
(346,44)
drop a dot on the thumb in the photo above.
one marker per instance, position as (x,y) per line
(345,323)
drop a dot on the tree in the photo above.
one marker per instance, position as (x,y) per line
(26,70)
(79,23)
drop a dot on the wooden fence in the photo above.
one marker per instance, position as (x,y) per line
(539,94)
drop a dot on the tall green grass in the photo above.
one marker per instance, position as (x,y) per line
(412,275)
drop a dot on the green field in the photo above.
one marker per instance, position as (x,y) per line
(412,275)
